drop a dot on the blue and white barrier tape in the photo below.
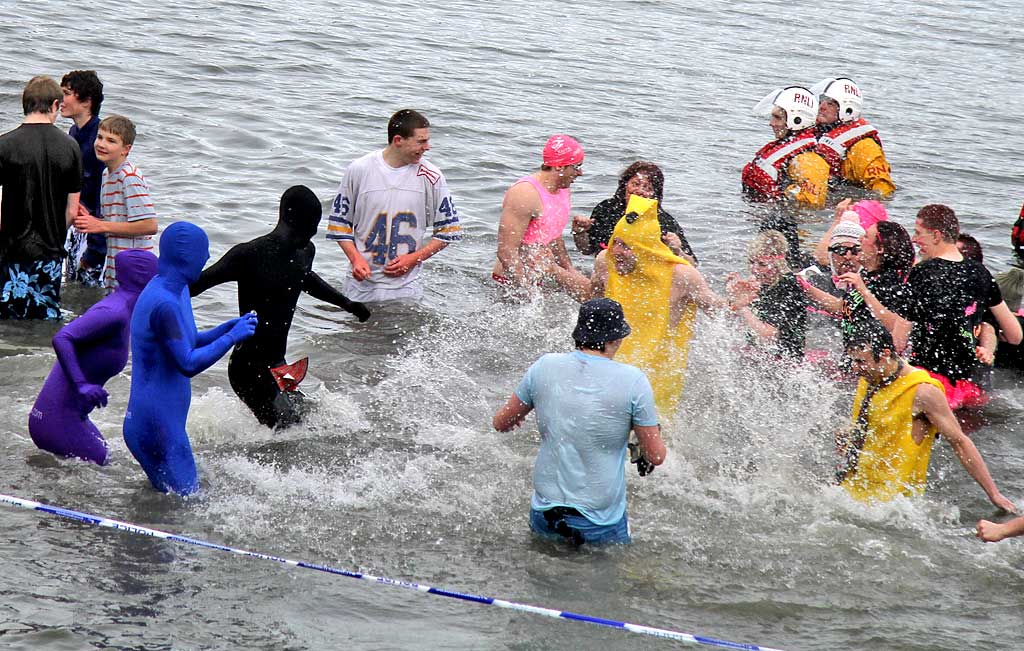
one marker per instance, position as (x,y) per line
(489,601)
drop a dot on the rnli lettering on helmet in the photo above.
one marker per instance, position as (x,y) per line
(803,99)
(852,90)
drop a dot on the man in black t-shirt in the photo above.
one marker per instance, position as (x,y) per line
(948,298)
(41,175)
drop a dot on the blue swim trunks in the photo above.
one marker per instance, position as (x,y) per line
(562,523)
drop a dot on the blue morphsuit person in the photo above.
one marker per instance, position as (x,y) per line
(167,351)
(90,350)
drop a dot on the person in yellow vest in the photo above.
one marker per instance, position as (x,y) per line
(788,169)
(848,142)
(659,292)
(897,412)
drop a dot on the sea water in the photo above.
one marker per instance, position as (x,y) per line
(397,471)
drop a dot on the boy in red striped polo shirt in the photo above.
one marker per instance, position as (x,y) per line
(127,216)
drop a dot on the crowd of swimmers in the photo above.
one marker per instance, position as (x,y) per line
(919,331)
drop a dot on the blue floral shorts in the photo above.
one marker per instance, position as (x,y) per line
(30,290)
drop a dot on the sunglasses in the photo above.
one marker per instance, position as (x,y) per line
(845,250)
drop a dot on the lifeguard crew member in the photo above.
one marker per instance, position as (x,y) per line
(848,142)
(788,169)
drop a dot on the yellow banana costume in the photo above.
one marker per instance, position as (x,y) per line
(891,463)
(656,346)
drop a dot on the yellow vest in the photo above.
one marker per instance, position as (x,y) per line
(891,463)
(655,346)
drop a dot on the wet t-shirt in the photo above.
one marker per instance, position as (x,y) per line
(947,300)
(890,290)
(784,307)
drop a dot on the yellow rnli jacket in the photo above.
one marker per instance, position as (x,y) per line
(808,179)
(891,463)
(657,346)
(865,165)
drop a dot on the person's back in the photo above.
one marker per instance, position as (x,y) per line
(584,406)
(38,164)
(41,178)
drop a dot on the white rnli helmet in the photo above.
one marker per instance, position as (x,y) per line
(799,103)
(845,93)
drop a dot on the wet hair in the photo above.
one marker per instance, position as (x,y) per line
(770,243)
(897,249)
(589,345)
(404,123)
(937,217)
(870,334)
(648,169)
(86,85)
(39,95)
(121,127)
(970,247)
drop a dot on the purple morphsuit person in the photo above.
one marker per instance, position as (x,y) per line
(90,350)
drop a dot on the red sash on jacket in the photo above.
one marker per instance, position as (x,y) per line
(764,177)
(834,143)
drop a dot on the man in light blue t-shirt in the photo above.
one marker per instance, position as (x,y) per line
(586,404)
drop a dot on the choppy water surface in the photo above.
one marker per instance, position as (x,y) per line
(397,472)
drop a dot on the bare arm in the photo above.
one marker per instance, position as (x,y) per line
(894,323)
(577,284)
(404,263)
(511,414)
(360,268)
(1009,326)
(519,207)
(651,444)
(830,303)
(72,209)
(987,341)
(993,532)
(821,248)
(561,254)
(930,401)
(693,287)
(86,223)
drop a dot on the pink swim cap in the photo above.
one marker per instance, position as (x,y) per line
(871,212)
(562,150)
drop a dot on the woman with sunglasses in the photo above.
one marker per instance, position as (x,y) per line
(886,256)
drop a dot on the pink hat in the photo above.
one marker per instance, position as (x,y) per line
(871,212)
(562,150)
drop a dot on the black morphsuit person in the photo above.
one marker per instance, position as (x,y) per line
(271,272)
